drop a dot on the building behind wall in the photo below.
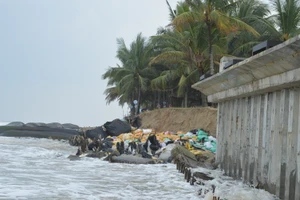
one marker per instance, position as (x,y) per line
(258,116)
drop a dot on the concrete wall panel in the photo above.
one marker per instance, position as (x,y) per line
(259,141)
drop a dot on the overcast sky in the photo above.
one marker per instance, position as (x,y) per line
(53,53)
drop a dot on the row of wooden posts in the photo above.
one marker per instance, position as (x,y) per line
(189,177)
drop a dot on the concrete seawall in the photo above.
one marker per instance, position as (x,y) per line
(258,141)
(258,115)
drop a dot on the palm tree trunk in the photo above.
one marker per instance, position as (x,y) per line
(203,100)
(211,59)
(139,100)
(132,109)
(158,99)
(186,99)
(210,51)
(154,100)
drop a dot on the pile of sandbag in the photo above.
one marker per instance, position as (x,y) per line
(194,140)
(113,128)
(132,146)
(199,139)
(197,142)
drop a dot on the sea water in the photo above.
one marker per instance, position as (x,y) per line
(33,168)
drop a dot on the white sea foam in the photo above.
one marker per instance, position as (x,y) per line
(39,169)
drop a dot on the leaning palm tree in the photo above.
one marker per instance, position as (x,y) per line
(287,17)
(129,80)
(213,14)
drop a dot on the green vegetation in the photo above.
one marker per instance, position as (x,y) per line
(163,67)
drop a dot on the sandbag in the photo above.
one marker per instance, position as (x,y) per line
(165,153)
(96,133)
(131,159)
(15,124)
(76,140)
(70,126)
(117,127)
(183,155)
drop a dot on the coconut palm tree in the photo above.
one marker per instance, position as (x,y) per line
(213,14)
(184,51)
(181,54)
(287,17)
(175,56)
(127,82)
(256,14)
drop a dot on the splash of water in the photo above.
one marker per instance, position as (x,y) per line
(39,169)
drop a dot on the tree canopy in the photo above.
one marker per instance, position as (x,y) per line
(160,70)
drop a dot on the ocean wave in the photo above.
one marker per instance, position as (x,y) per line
(39,169)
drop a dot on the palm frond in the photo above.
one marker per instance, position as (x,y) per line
(181,86)
(172,15)
(228,24)
(169,57)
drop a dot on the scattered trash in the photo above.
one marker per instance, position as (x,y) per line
(193,147)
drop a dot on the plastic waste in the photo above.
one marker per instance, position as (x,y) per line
(189,134)
(208,145)
(147,131)
(211,138)
(202,135)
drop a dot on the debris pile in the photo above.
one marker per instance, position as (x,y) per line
(119,142)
